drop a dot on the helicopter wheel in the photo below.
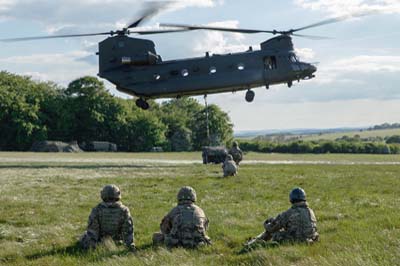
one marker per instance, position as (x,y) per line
(250,96)
(142,104)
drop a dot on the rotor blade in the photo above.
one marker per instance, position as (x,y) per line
(150,10)
(149,32)
(312,37)
(53,37)
(194,27)
(333,20)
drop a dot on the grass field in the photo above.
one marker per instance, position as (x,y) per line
(46,199)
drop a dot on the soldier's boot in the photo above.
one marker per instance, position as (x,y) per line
(158,239)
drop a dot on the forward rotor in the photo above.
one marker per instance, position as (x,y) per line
(150,10)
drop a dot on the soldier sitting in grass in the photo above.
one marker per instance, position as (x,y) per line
(185,225)
(109,220)
(229,166)
(298,224)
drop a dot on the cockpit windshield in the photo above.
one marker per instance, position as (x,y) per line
(293,58)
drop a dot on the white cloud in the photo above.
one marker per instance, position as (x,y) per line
(58,67)
(368,64)
(305,53)
(220,43)
(372,65)
(343,7)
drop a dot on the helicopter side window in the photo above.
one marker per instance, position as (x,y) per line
(157,76)
(213,70)
(240,66)
(184,73)
(270,62)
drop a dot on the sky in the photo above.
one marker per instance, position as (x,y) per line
(358,68)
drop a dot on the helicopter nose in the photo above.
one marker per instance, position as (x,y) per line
(312,69)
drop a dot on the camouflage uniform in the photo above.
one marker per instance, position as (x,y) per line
(236,153)
(185,225)
(296,224)
(229,167)
(109,219)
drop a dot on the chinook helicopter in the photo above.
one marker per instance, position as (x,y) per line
(134,66)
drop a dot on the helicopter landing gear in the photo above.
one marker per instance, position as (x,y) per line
(143,104)
(250,96)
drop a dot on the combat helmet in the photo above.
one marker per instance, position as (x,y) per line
(229,157)
(297,195)
(235,144)
(187,193)
(110,193)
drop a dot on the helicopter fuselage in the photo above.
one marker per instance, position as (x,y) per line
(135,68)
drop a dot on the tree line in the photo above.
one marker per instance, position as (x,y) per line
(322,146)
(85,111)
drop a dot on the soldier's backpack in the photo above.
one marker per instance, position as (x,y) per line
(187,228)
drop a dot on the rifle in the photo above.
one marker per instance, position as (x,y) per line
(254,240)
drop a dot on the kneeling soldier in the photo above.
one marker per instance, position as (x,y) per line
(229,166)
(185,225)
(110,219)
(298,224)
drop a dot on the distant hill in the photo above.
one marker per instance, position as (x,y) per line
(284,135)
(294,132)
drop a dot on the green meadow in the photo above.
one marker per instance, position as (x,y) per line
(46,199)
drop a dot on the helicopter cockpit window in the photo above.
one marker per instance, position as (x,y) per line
(293,58)
(240,66)
(185,73)
(213,70)
(270,62)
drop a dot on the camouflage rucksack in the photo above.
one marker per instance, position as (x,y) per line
(110,222)
(187,228)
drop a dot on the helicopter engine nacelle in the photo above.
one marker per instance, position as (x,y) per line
(119,51)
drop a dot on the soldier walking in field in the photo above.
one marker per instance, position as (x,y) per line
(109,220)
(298,224)
(185,225)
(229,166)
(236,153)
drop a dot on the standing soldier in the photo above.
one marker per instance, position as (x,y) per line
(185,225)
(298,224)
(229,166)
(236,153)
(110,219)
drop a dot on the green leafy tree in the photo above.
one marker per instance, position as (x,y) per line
(141,132)
(178,116)
(94,114)
(21,109)
(220,128)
